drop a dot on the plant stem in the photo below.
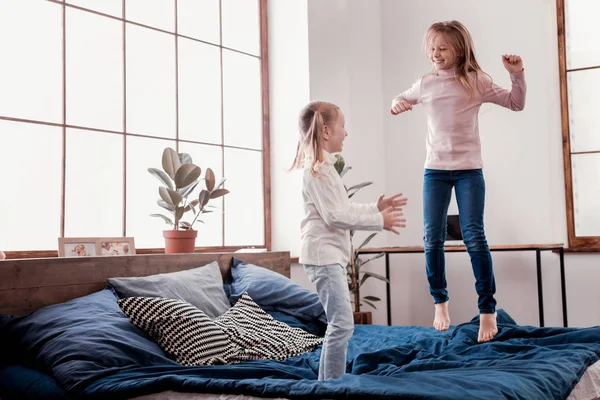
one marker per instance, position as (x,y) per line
(355,288)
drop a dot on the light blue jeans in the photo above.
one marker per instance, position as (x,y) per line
(332,287)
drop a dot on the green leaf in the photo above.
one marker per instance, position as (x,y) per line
(366,241)
(203,198)
(339,163)
(221,182)
(161,176)
(185,158)
(191,206)
(186,175)
(373,258)
(167,219)
(209,177)
(185,225)
(170,162)
(369,274)
(344,171)
(360,186)
(370,304)
(218,193)
(170,196)
(185,192)
(179,213)
(371,298)
(165,205)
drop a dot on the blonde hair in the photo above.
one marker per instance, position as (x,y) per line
(311,123)
(462,46)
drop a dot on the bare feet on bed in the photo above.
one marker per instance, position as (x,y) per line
(487,327)
(441,321)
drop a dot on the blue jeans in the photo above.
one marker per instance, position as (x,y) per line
(332,287)
(469,188)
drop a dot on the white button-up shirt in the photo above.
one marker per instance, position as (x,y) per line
(329,216)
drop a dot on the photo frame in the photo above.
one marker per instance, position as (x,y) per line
(95,246)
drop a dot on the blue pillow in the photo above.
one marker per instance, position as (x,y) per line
(274,292)
(81,340)
(313,326)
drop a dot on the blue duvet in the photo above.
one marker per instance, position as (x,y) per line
(395,363)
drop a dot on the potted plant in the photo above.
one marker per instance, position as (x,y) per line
(180,177)
(356,277)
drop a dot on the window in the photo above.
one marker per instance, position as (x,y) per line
(94,90)
(579,60)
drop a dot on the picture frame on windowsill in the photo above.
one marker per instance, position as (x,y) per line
(95,246)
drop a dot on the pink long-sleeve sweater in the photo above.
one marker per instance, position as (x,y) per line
(452,117)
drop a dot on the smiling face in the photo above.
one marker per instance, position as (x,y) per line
(442,53)
(334,134)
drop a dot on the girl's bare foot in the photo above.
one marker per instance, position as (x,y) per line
(441,321)
(487,327)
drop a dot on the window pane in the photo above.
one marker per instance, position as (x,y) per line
(31,67)
(241,25)
(581,19)
(199,92)
(110,7)
(32,175)
(244,209)
(142,191)
(155,13)
(210,233)
(586,193)
(150,82)
(94,184)
(199,19)
(242,100)
(94,71)
(584,103)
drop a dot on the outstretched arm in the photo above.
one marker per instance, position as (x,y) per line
(513,99)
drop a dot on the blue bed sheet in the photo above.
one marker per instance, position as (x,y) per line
(394,363)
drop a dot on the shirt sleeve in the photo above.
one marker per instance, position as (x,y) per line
(513,99)
(330,200)
(412,95)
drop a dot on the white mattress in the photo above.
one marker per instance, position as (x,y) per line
(588,388)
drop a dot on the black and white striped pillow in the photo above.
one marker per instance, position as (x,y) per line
(260,335)
(183,331)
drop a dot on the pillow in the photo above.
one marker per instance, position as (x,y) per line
(80,340)
(274,292)
(261,336)
(201,287)
(182,330)
(313,326)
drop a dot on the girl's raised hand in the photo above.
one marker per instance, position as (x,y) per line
(512,63)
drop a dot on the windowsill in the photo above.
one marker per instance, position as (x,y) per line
(54,253)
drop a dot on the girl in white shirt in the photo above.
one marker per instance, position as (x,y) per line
(328,217)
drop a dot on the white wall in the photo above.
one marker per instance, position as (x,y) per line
(360,54)
(345,68)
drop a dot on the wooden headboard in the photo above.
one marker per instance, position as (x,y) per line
(29,284)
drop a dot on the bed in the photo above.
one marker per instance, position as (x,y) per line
(71,347)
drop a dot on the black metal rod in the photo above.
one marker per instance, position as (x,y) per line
(388,289)
(563,286)
(538,260)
